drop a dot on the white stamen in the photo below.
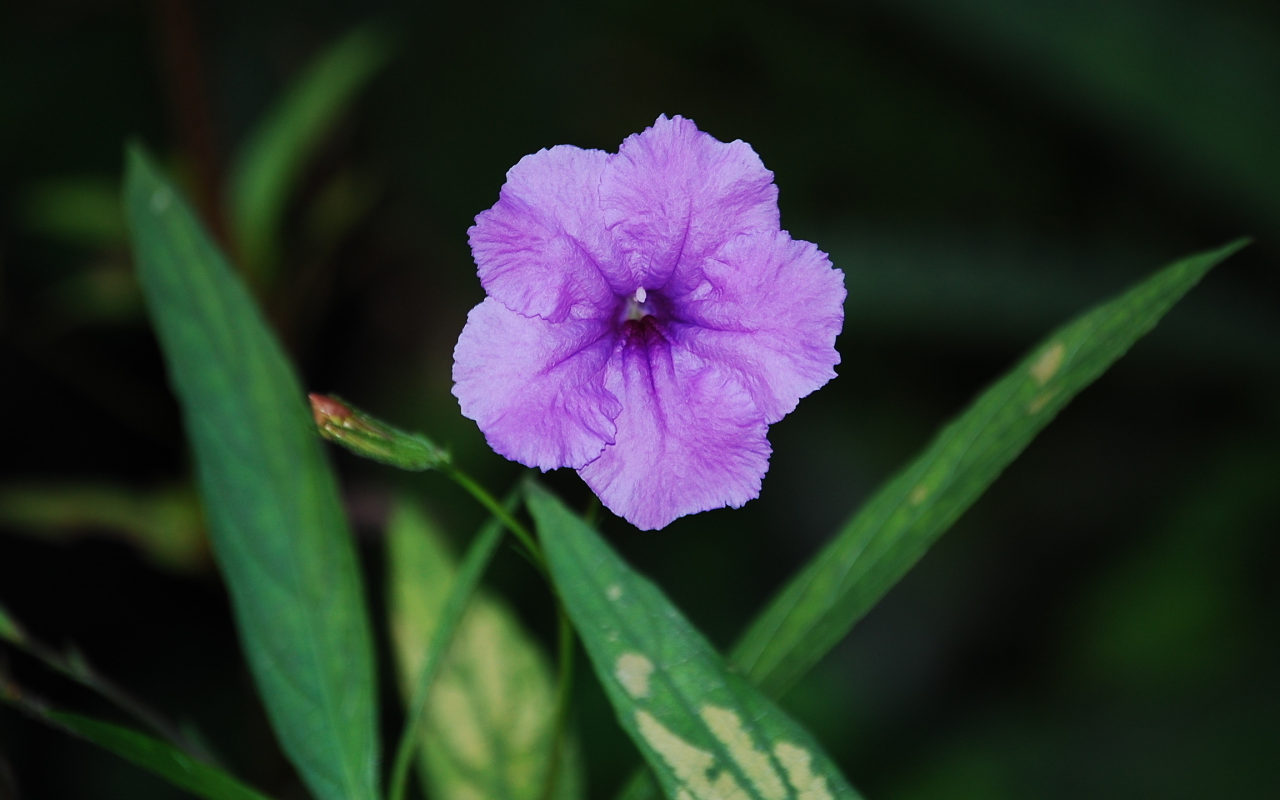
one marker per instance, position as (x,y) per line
(641,295)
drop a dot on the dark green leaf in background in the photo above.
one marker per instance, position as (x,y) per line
(704,730)
(159,757)
(164,759)
(492,707)
(268,165)
(274,514)
(9,628)
(165,523)
(897,525)
(1191,84)
(83,209)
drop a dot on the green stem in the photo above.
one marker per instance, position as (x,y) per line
(564,697)
(473,565)
(501,513)
(76,667)
(369,437)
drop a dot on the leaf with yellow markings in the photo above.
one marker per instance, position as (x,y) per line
(706,733)
(492,707)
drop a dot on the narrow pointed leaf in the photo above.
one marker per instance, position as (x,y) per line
(271,161)
(704,731)
(492,706)
(898,524)
(274,515)
(159,757)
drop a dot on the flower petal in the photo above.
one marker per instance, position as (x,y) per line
(673,195)
(536,388)
(688,439)
(770,309)
(537,249)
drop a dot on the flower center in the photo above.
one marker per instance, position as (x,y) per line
(640,316)
(635,308)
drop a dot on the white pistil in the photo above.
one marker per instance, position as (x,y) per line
(635,306)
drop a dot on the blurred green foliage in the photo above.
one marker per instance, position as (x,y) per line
(267,166)
(82,210)
(1099,624)
(491,710)
(165,524)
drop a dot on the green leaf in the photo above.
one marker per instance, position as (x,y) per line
(163,759)
(274,515)
(271,161)
(704,730)
(491,709)
(896,526)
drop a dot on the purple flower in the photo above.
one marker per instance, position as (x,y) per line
(646,321)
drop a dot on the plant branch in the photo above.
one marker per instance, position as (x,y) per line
(75,666)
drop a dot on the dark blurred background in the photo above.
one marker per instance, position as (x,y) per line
(1101,624)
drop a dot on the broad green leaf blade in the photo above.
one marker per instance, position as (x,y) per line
(897,525)
(704,731)
(274,515)
(492,706)
(270,162)
(163,759)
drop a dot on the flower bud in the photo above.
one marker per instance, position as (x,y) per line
(371,438)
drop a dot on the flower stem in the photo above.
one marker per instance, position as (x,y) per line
(473,565)
(532,550)
(369,437)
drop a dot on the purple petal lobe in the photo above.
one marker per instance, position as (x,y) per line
(769,308)
(537,249)
(688,439)
(673,194)
(536,388)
